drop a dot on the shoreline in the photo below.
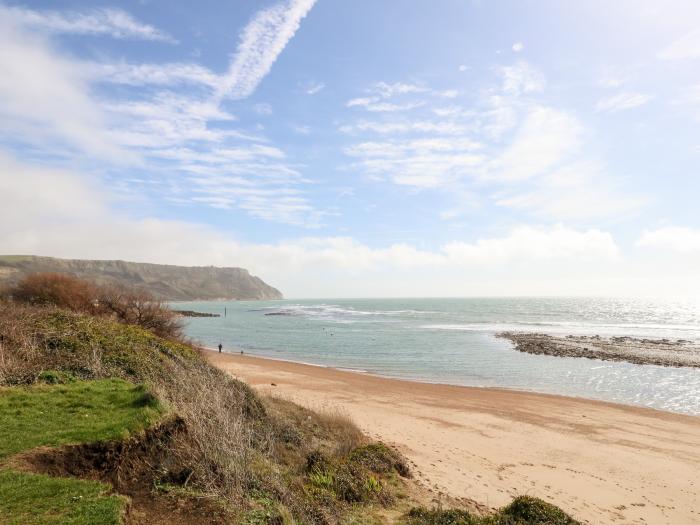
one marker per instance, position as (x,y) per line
(605,463)
(439,383)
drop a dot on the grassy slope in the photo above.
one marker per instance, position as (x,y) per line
(35,499)
(269,460)
(78,412)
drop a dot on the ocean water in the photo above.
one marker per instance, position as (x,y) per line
(453,341)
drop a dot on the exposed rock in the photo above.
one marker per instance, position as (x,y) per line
(661,352)
(192,313)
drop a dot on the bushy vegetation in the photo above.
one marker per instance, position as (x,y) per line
(523,510)
(122,304)
(233,447)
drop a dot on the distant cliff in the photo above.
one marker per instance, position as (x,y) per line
(172,283)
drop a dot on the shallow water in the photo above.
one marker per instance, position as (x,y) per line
(453,341)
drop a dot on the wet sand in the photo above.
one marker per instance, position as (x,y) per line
(603,463)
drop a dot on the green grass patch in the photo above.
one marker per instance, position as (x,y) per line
(34,499)
(71,413)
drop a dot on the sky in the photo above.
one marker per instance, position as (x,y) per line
(394,148)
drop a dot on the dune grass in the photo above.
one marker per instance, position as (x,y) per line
(78,412)
(35,499)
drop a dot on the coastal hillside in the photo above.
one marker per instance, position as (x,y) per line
(165,282)
(102,421)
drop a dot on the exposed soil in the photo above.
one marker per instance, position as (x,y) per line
(131,467)
(662,352)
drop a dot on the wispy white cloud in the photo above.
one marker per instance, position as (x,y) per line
(546,138)
(386,90)
(622,102)
(613,77)
(522,78)
(684,48)
(578,190)
(448,93)
(531,156)
(314,88)
(45,98)
(378,105)
(112,22)
(380,93)
(192,150)
(263,108)
(168,74)
(404,126)
(675,238)
(518,47)
(262,41)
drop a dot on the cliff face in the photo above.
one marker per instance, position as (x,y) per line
(172,283)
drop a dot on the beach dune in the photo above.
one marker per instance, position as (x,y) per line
(604,463)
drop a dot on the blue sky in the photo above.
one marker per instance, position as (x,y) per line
(363,148)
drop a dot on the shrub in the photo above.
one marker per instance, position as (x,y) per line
(523,510)
(316,461)
(56,289)
(423,516)
(139,308)
(526,509)
(350,483)
(123,304)
(379,458)
(56,377)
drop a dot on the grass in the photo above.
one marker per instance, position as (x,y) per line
(35,499)
(37,339)
(15,258)
(79,412)
(68,378)
(60,414)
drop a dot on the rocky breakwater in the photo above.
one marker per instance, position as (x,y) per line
(663,352)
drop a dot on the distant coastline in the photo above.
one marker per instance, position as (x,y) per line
(164,281)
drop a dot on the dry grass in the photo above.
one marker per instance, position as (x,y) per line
(339,424)
(236,447)
(123,304)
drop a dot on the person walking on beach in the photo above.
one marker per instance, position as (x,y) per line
(220,347)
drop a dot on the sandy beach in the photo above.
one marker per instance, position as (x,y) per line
(604,463)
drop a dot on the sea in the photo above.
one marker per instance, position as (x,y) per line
(454,341)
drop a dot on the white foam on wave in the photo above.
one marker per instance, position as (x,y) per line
(332,311)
